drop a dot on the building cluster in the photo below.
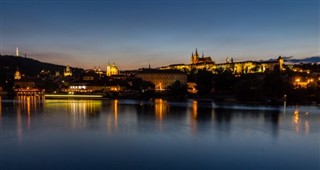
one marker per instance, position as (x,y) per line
(110,81)
(198,63)
(95,81)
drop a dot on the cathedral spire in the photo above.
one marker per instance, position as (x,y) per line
(196,52)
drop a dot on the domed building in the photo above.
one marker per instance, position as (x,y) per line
(17,75)
(112,70)
(67,71)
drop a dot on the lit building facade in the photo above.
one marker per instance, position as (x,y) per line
(91,82)
(27,87)
(67,71)
(112,70)
(17,75)
(199,63)
(195,59)
(305,82)
(162,78)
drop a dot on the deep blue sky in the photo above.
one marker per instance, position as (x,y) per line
(135,33)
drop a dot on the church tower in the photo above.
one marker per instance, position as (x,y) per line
(112,70)
(195,57)
(281,62)
(17,75)
(67,71)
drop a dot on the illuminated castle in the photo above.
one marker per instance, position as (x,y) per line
(195,59)
(199,63)
(112,70)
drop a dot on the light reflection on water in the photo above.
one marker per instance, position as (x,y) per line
(162,127)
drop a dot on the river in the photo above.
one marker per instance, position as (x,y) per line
(157,134)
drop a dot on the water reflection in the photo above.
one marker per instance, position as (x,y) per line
(89,108)
(196,134)
(201,116)
(82,110)
(272,119)
(223,118)
(0,109)
(28,104)
(193,117)
(297,120)
(158,115)
(115,112)
(160,110)
(112,119)
(227,118)
(25,106)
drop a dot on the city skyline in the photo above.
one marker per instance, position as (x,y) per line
(134,34)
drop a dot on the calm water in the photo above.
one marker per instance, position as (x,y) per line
(129,134)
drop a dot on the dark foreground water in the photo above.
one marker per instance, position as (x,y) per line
(127,134)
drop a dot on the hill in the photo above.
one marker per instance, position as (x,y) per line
(29,66)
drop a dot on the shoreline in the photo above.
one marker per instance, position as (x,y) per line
(200,99)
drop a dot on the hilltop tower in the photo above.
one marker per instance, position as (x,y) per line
(17,51)
(281,62)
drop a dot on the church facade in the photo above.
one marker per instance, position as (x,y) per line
(112,70)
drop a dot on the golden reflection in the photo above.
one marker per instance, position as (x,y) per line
(112,119)
(81,109)
(161,108)
(26,106)
(29,104)
(115,113)
(28,111)
(296,120)
(194,114)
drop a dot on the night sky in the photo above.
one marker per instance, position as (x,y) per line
(134,33)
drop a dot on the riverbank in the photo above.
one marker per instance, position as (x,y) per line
(228,100)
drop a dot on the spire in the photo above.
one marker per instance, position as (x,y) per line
(202,54)
(196,52)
